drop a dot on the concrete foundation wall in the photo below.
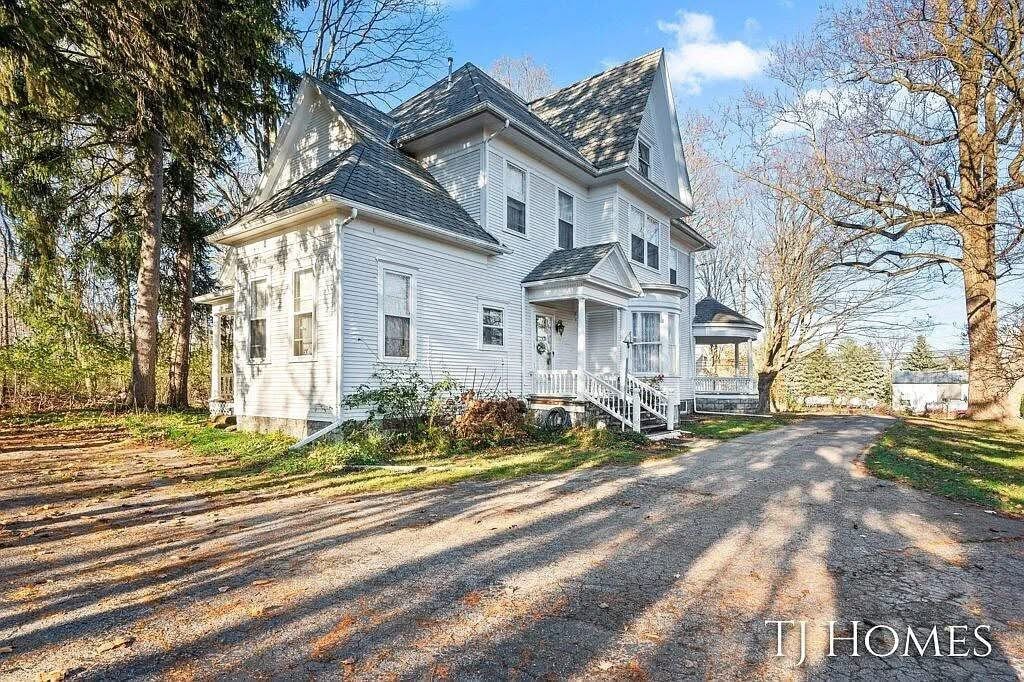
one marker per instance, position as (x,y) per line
(297,428)
(727,403)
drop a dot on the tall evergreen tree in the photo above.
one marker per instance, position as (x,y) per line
(921,358)
(145,78)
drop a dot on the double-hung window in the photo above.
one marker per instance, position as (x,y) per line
(653,239)
(643,158)
(515,198)
(637,243)
(303,294)
(259,300)
(397,312)
(647,343)
(492,326)
(674,266)
(566,220)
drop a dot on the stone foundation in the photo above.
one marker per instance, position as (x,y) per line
(296,428)
(727,403)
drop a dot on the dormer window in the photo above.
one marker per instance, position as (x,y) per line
(515,199)
(643,158)
(566,220)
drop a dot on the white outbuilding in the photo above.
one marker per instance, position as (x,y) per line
(921,392)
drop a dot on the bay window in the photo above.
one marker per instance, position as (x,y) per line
(647,343)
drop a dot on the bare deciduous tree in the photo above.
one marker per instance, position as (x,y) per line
(802,298)
(523,76)
(911,116)
(372,48)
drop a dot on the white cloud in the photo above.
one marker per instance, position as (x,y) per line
(700,56)
(751,26)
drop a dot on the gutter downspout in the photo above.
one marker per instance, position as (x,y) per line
(340,419)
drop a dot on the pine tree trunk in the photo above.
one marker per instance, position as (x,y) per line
(181,323)
(986,381)
(765,381)
(144,351)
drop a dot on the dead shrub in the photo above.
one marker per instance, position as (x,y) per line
(489,421)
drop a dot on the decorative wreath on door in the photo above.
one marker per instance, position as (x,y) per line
(542,348)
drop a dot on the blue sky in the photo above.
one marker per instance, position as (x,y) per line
(714,52)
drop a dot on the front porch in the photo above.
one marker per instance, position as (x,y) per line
(601,340)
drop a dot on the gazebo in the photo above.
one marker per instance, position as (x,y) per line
(725,380)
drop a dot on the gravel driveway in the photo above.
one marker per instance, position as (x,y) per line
(116,563)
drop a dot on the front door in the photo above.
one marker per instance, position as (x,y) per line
(545,342)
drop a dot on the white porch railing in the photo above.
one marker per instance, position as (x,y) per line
(608,394)
(725,385)
(652,400)
(554,382)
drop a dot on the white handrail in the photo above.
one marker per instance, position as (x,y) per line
(652,400)
(607,397)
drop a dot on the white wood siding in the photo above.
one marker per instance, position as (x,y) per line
(460,174)
(282,385)
(321,135)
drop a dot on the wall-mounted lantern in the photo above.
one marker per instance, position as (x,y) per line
(559,327)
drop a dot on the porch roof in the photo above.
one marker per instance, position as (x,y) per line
(569,262)
(599,272)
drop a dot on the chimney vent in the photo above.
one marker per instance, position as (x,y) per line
(450,60)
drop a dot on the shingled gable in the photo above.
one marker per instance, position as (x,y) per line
(601,115)
(371,172)
(468,91)
(601,261)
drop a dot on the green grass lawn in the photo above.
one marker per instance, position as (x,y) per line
(979,462)
(241,460)
(720,427)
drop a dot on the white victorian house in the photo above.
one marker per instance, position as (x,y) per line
(541,244)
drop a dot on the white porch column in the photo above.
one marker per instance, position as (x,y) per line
(215,360)
(620,333)
(736,359)
(581,340)
(750,364)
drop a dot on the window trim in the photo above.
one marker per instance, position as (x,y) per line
(481,304)
(292,312)
(395,269)
(643,143)
(526,199)
(558,217)
(249,318)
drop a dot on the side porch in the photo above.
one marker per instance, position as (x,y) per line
(725,379)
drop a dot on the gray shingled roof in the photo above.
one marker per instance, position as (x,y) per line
(601,115)
(952,377)
(710,311)
(364,118)
(378,175)
(469,88)
(569,262)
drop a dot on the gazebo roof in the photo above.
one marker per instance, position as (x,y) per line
(716,323)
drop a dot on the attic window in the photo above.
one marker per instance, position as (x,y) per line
(643,158)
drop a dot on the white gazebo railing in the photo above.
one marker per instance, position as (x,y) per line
(725,385)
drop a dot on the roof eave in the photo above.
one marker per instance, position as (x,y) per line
(488,107)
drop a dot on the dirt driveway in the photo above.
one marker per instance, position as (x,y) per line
(116,562)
